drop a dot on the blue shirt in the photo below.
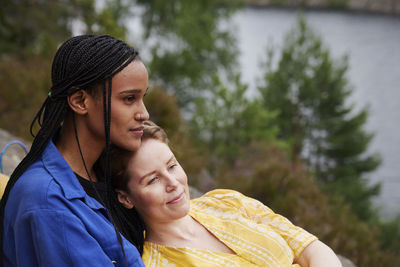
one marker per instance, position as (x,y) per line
(51,221)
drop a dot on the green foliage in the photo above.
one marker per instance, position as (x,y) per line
(266,173)
(164,111)
(190,41)
(30,32)
(226,120)
(29,27)
(309,90)
(108,20)
(390,236)
(23,86)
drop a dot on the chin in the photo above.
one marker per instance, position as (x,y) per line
(182,214)
(133,146)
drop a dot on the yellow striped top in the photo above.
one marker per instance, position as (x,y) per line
(257,235)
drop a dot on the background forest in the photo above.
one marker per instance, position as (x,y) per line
(299,147)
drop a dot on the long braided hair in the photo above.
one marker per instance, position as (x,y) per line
(81,63)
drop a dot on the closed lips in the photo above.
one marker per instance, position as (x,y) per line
(176,199)
(137,129)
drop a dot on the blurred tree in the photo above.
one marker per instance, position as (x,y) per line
(226,120)
(30,32)
(390,237)
(30,27)
(163,109)
(310,93)
(264,171)
(189,42)
(23,86)
(108,19)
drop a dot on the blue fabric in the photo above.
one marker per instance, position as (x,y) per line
(51,221)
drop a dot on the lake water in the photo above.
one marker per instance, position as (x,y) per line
(372,43)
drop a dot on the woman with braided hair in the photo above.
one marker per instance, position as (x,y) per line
(53,209)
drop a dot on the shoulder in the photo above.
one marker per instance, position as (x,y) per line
(228,196)
(221,198)
(228,200)
(222,193)
(35,189)
(33,182)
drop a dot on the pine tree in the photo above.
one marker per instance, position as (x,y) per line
(310,92)
(226,121)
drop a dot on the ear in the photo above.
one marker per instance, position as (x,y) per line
(78,102)
(124,199)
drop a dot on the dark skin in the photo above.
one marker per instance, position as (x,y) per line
(66,142)
(127,115)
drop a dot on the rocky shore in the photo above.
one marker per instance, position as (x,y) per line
(391,7)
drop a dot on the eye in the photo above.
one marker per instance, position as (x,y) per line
(172,166)
(152,180)
(130,98)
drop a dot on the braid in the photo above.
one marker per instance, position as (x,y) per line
(80,63)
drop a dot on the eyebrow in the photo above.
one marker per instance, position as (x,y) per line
(172,158)
(133,91)
(152,172)
(144,176)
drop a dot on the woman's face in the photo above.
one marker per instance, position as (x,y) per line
(128,89)
(158,186)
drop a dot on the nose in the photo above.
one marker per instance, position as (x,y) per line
(142,114)
(171,183)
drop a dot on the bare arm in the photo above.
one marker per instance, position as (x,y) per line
(318,254)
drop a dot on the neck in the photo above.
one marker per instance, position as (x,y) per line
(91,148)
(174,232)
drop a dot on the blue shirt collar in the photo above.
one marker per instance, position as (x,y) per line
(65,177)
